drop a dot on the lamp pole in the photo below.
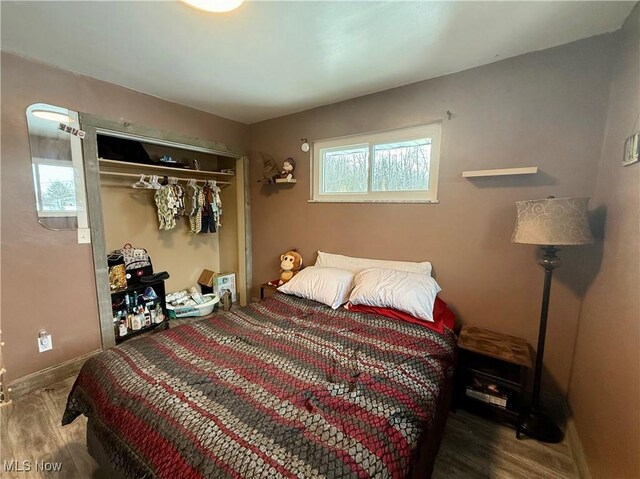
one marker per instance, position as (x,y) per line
(536,425)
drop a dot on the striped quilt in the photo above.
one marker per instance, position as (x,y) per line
(285,387)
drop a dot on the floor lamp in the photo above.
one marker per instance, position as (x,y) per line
(549,223)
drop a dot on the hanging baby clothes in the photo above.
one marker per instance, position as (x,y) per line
(208,220)
(190,199)
(165,202)
(194,208)
(216,204)
(178,191)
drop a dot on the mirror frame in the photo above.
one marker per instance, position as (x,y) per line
(75,144)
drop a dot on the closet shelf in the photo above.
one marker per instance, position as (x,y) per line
(527,170)
(115,165)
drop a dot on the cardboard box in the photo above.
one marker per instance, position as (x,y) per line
(212,282)
(226,281)
(206,278)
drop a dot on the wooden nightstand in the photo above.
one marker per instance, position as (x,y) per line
(268,287)
(492,373)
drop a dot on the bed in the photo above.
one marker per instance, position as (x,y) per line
(286,387)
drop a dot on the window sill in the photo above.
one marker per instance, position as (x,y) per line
(426,202)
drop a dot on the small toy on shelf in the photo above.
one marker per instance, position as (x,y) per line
(287,169)
(290,264)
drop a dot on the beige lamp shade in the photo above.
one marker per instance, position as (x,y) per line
(552,221)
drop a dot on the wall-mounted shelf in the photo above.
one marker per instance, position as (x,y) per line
(285,180)
(528,170)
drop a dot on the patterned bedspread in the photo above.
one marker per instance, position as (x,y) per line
(285,387)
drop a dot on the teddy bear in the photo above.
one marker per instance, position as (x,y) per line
(290,264)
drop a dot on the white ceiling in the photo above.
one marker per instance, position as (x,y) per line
(271,58)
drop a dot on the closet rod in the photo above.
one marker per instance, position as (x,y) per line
(133,175)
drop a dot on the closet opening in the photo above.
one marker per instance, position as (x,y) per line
(127,175)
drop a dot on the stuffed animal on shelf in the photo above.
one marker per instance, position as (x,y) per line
(290,264)
(287,169)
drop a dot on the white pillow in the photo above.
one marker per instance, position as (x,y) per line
(385,288)
(357,265)
(330,286)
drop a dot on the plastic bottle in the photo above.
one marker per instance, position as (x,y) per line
(197,297)
(136,324)
(147,316)
(159,314)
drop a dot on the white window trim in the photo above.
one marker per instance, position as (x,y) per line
(432,130)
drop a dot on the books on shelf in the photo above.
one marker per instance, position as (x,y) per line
(489,393)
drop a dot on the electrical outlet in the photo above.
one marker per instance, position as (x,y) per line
(45,342)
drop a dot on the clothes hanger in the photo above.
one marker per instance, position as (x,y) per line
(141,184)
(154,183)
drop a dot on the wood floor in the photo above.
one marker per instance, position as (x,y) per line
(472,447)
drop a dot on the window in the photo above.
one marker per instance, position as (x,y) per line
(55,187)
(390,166)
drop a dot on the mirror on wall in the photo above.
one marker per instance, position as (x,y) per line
(58,173)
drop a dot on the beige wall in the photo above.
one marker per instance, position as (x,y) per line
(605,384)
(130,217)
(47,278)
(544,109)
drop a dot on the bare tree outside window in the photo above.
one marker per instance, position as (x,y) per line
(387,166)
(55,186)
(59,196)
(401,166)
(345,171)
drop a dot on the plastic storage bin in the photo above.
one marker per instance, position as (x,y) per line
(194,311)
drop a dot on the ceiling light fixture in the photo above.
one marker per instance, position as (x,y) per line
(51,115)
(216,6)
